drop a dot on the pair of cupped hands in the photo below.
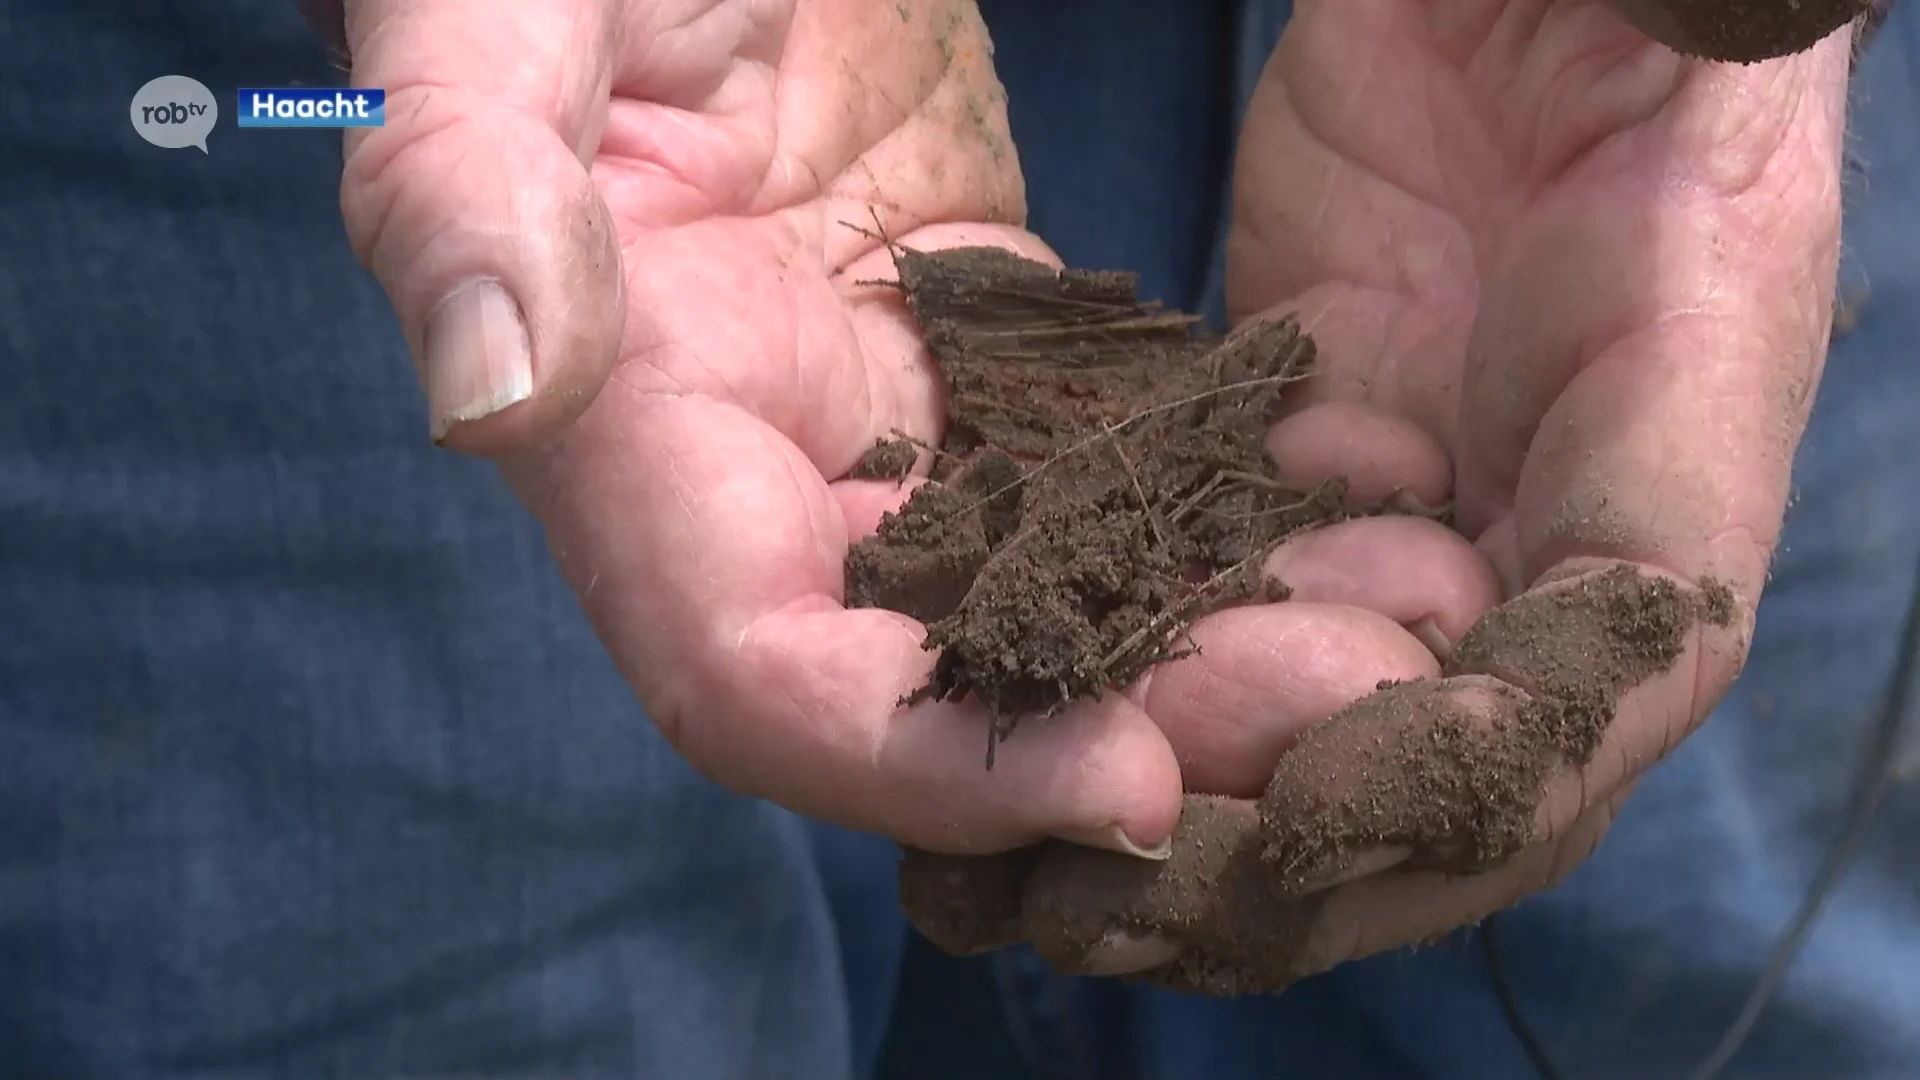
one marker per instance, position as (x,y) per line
(1563,278)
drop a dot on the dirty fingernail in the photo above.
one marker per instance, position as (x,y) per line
(1428,632)
(1125,953)
(1114,838)
(477,360)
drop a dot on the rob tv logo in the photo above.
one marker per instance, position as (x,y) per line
(174,112)
(311,107)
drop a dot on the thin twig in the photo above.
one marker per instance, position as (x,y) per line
(1109,431)
(1153,517)
(1205,490)
(1203,592)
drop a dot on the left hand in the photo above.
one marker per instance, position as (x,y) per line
(1590,280)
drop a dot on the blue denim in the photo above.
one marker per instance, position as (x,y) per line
(1634,967)
(309,764)
(310,767)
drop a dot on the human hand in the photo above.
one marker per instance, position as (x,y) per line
(1577,285)
(672,197)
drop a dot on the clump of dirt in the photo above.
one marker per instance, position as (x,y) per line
(1103,482)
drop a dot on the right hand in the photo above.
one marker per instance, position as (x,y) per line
(672,196)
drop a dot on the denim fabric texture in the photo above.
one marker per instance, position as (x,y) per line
(310,766)
(1634,967)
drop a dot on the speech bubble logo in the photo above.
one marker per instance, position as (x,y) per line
(174,112)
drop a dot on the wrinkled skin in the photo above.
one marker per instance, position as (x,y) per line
(1587,280)
(1559,275)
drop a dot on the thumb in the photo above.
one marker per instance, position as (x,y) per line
(474,208)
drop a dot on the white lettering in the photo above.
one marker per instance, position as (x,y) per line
(263,104)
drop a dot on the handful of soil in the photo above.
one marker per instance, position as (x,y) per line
(1102,484)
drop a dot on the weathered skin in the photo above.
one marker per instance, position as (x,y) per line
(1411,185)
(1563,277)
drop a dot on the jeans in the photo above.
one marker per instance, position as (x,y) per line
(309,765)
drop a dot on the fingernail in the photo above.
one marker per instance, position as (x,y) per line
(1114,838)
(1126,953)
(1427,631)
(478,359)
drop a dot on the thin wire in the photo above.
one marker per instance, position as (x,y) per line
(1510,1005)
(1876,772)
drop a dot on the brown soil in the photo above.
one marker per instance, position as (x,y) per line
(1743,31)
(1102,484)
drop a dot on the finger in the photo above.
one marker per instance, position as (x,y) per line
(474,208)
(1207,919)
(1208,901)
(1265,674)
(1097,912)
(1093,913)
(1416,572)
(1385,911)
(1378,454)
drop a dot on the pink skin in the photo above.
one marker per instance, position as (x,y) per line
(1588,280)
(1636,251)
